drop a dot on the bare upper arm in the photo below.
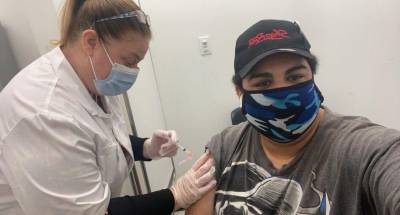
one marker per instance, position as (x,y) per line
(203,206)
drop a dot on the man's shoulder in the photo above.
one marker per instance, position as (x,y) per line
(356,135)
(223,144)
(229,134)
(354,126)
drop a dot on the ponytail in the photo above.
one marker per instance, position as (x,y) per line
(66,19)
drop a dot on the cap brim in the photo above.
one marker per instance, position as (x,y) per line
(246,69)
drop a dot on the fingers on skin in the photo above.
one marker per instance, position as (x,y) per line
(206,178)
(203,159)
(208,187)
(205,168)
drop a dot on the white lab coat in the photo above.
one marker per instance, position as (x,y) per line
(60,153)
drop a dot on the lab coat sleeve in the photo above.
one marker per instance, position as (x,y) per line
(50,164)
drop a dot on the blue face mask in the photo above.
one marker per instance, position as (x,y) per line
(119,80)
(283,114)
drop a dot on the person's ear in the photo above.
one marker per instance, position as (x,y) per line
(239,91)
(90,41)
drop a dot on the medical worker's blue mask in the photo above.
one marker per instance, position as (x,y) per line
(119,80)
(283,114)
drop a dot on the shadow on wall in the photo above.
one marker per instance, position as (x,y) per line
(8,64)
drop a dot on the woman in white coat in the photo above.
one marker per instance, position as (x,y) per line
(64,146)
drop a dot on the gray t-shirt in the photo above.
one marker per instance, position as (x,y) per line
(351,166)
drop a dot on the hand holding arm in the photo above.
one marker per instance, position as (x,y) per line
(195,183)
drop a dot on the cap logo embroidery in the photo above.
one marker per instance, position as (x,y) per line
(276,34)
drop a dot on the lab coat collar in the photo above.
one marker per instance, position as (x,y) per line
(66,73)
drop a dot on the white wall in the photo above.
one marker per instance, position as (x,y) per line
(357,43)
(30,26)
(58,5)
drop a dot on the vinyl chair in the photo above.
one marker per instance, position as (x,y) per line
(237,116)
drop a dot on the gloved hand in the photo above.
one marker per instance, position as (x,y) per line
(161,144)
(195,183)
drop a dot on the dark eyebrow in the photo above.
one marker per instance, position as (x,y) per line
(257,74)
(295,68)
(260,74)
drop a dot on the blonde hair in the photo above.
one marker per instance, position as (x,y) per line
(79,15)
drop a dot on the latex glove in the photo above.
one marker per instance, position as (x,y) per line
(195,183)
(161,144)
